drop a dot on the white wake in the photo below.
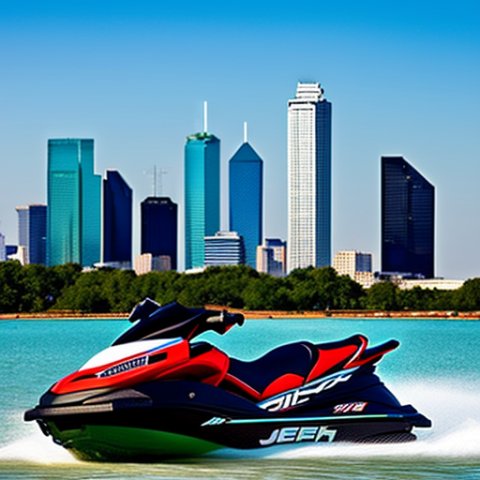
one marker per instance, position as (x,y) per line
(455,433)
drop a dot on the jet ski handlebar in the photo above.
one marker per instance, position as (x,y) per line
(224,319)
(152,320)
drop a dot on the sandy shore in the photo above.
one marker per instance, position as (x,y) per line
(449,315)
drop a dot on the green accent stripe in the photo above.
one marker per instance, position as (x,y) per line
(314,419)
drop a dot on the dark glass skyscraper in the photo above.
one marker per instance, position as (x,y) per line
(246,199)
(37,233)
(408,219)
(117,219)
(159,228)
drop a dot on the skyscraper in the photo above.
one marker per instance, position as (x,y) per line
(23,226)
(117,219)
(246,198)
(159,228)
(309,178)
(32,232)
(202,194)
(408,218)
(74,191)
(37,234)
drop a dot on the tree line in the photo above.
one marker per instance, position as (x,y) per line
(36,288)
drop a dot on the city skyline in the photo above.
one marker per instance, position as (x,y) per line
(403,81)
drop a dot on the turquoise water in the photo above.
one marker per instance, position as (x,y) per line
(437,369)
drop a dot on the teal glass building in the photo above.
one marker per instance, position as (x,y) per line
(202,195)
(246,199)
(74,198)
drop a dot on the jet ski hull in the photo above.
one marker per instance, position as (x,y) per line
(187,419)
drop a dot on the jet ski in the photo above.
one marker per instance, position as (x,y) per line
(156,393)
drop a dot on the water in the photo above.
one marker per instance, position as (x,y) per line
(437,369)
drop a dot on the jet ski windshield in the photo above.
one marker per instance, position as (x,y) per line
(153,321)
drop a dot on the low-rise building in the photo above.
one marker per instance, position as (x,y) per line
(272,257)
(146,262)
(224,248)
(431,283)
(357,265)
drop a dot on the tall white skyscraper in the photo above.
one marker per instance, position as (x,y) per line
(309,178)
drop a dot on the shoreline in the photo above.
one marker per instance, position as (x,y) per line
(265,314)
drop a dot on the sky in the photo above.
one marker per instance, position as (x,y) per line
(403,79)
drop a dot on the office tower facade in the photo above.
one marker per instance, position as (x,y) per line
(3,252)
(37,234)
(159,228)
(202,195)
(74,198)
(408,219)
(23,227)
(309,178)
(117,220)
(246,199)
(272,257)
(223,249)
(32,233)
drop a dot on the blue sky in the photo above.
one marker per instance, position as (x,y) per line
(403,78)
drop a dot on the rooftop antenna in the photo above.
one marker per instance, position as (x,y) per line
(157,182)
(245,132)
(161,173)
(205,116)
(154,180)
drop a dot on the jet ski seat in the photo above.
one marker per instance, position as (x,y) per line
(281,369)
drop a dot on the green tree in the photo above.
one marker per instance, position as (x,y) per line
(12,286)
(267,293)
(118,289)
(467,297)
(37,288)
(321,289)
(87,294)
(382,296)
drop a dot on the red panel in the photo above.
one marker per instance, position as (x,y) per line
(363,360)
(209,367)
(88,379)
(242,386)
(283,383)
(328,359)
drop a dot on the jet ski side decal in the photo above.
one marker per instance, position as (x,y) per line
(303,394)
(299,434)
